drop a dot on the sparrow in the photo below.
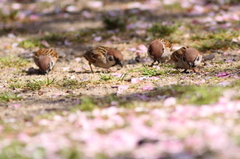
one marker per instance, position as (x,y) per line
(103,57)
(186,58)
(159,50)
(45,59)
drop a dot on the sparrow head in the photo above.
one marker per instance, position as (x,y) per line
(45,64)
(116,55)
(191,56)
(155,49)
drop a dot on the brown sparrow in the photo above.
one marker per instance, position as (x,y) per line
(186,58)
(159,50)
(45,59)
(103,57)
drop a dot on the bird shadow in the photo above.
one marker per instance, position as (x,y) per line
(33,71)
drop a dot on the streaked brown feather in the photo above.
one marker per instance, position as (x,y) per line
(178,54)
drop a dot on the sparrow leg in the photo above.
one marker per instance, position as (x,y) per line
(152,63)
(197,72)
(194,70)
(185,71)
(111,71)
(91,67)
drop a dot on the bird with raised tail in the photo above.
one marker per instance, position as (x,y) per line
(159,50)
(45,59)
(103,57)
(186,58)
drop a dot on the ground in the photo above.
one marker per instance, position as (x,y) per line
(136,111)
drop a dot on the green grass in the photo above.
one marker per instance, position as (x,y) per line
(220,39)
(8,17)
(158,30)
(71,83)
(71,153)
(110,77)
(150,71)
(30,43)
(39,83)
(215,45)
(115,22)
(13,150)
(34,85)
(216,35)
(86,104)
(191,94)
(12,29)
(106,77)
(173,7)
(11,61)
(54,37)
(7,96)
(15,85)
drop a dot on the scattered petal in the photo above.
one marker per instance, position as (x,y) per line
(16,105)
(65,68)
(78,59)
(14,45)
(72,9)
(95,4)
(98,38)
(223,74)
(169,102)
(224,84)
(114,103)
(11,35)
(117,75)
(122,88)
(135,80)
(45,43)
(147,88)
(154,78)
(34,17)
(142,48)
(67,43)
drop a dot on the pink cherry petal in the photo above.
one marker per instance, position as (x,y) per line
(169,102)
(147,88)
(135,80)
(117,75)
(98,38)
(45,43)
(154,78)
(122,88)
(223,74)
(142,48)
(16,105)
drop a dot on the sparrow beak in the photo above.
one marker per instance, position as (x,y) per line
(120,63)
(191,64)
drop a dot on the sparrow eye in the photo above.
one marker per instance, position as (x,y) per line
(197,59)
(110,58)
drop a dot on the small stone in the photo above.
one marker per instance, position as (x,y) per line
(40,93)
